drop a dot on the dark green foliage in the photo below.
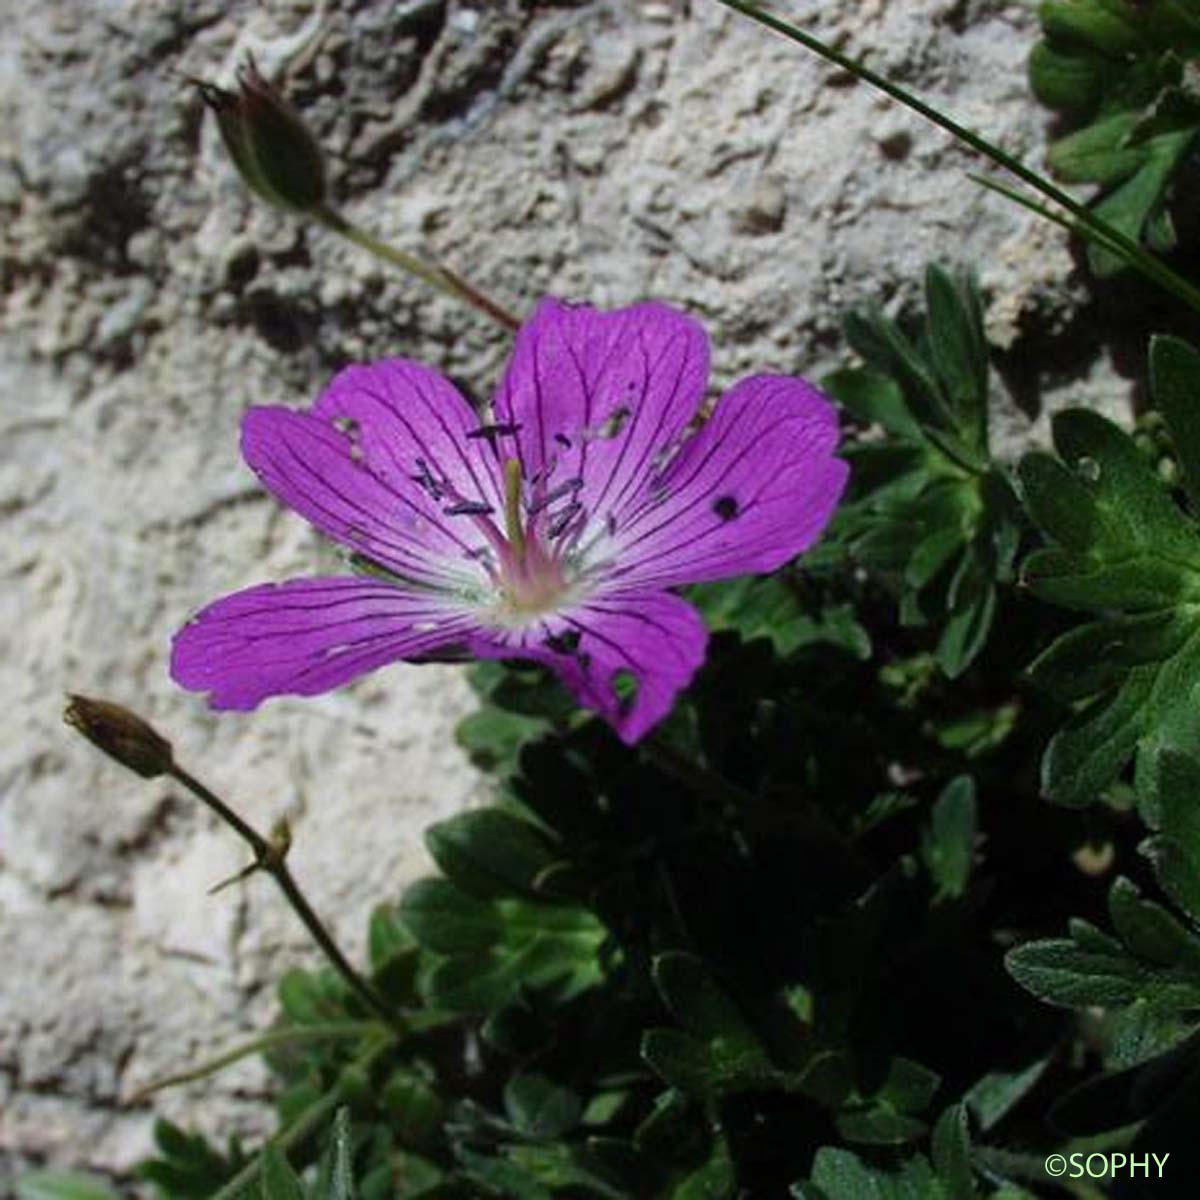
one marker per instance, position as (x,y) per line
(1120,70)
(928,514)
(1126,552)
(821,935)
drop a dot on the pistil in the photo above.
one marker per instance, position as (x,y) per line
(512,509)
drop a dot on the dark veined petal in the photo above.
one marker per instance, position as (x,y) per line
(410,426)
(652,642)
(320,472)
(752,489)
(308,636)
(600,397)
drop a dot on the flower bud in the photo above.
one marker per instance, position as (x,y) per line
(122,735)
(272,148)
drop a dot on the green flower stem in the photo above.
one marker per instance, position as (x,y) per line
(442,278)
(1148,264)
(271,858)
(315,1115)
(330,1031)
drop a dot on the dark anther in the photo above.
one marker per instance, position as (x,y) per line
(726,507)
(567,488)
(610,523)
(468,508)
(426,480)
(564,519)
(564,643)
(563,440)
(492,432)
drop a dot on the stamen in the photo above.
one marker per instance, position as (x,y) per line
(563,519)
(512,507)
(563,440)
(492,432)
(568,488)
(426,479)
(543,474)
(468,508)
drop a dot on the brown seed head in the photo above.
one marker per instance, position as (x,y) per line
(121,734)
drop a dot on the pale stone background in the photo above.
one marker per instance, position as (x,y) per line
(611,150)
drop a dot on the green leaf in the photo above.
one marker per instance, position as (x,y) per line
(879,1127)
(715,1180)
(1085,756)
(1103,27)
(771,607)
(670,1132)
(997,1093)
(1149,931)
(1059,972)
(909,1086)
(1156,960)
(493,737)
(1068,81)
(1138,509)
(540,1108)
(1175,385)
(341,1170)
(494,948)
(966,631)
(1134,206)
(188,1167)
(1175,851)
(691,994)
(1096,657)
(277,1179)
(889,352)
(491,853)
(959,352)
(951,1147)
(1098,153)
(446,920)
(874,399)
(706,1069)
(840,1175)
(414,1106)
(63,1185)
(948,846)
(1059,501)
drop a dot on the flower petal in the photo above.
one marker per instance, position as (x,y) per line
(655,639)
(405,415)
(324,474)
(600,397)
(308,636)
(752,489)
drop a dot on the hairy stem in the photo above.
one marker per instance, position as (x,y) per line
(329,1031)
(271,858)
(442,278)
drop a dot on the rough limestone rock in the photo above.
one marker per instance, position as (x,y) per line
(610,150)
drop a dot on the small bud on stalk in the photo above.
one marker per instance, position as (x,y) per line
(125,737)
(281,161)
(272,148)
(122,735)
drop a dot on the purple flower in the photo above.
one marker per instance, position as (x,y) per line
(551,532)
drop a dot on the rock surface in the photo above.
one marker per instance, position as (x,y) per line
(609,150)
